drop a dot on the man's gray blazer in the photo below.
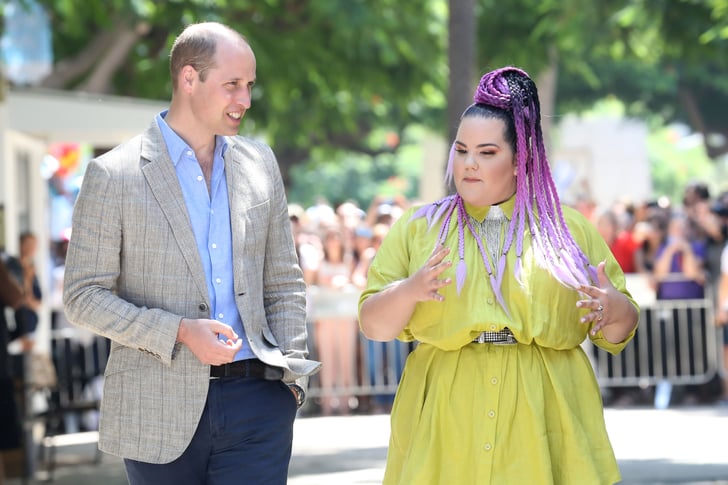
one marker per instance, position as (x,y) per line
(133,271)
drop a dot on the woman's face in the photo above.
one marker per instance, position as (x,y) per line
(483,167)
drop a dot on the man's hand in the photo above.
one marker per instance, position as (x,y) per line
(201,336)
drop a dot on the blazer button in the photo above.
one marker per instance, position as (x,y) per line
(203,307)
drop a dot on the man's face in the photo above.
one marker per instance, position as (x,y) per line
(221,100)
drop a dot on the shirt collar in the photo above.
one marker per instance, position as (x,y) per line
(176,146)
(480,213)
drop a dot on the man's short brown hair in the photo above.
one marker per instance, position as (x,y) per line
(196,47)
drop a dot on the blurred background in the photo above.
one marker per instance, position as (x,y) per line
(359,100)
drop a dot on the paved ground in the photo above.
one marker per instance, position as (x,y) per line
(686,445)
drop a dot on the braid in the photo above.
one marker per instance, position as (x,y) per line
(537,202)
(510,95)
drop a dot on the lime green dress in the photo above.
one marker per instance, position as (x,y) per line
(468,413)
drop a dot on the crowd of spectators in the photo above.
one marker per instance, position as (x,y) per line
(679,249)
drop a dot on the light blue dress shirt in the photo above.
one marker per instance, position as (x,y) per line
(209,214)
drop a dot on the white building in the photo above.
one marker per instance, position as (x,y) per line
(30,121)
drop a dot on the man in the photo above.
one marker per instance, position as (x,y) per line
(182,254)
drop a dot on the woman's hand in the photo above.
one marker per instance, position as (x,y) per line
(384,314)
(426,282)
(608,307)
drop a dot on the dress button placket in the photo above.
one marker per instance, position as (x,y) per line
(489,424)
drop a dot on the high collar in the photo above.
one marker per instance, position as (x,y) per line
(480,212)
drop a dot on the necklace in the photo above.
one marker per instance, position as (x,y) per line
(489,234)
(491,231)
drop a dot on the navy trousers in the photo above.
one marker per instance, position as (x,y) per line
(244,437)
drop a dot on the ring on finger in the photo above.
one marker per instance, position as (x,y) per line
(600,309)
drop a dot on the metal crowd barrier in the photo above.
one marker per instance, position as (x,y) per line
(80,359)
(379,365)
(676,341)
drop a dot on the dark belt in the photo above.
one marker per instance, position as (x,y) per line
(247,368)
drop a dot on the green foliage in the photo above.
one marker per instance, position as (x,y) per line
(665,59)
(351,176)
(329,72)
(335,77)
(678,157)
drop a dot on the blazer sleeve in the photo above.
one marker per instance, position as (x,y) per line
(92,272)
(284,291)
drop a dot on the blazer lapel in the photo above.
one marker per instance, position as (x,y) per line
(239,202)
(162,179)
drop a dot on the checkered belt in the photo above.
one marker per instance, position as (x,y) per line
(501,337)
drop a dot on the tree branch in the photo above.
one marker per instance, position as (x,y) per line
(66,70)
(100,79)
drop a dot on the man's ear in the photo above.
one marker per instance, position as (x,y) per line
(187,77)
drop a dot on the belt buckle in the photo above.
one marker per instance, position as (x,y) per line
(510,340)
(481,338)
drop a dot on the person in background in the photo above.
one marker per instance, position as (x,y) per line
(705,227)
(11,295)
(336,335)
(182,255)
(385,209)
(614,229)
(308,244)
(680,274)
(720,209)
(679,269)
(650,234)
(500,284)
(381,356)
(23,270)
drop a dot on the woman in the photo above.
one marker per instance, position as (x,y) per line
(498,389)
(336,335)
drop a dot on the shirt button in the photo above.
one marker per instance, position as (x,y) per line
(220,316)
(490,301)
(199,178)
(214,246)
(493,380)
(491,414)
(218,281)
(189,153)
(492,327)
(488,447)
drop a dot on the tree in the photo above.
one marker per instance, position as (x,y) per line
(328,74)
(461,56)
(665,59)
(350,75)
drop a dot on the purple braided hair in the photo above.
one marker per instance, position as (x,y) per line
(537,204)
